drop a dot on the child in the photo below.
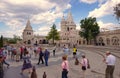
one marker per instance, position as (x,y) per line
(76,61)
(44,75)
(33,74)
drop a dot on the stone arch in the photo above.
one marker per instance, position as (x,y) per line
(115,40)
(79,42)
(43,41)
(29,42)
(101,42)
(40,41)
(108,41)
(83,41)
(68,29)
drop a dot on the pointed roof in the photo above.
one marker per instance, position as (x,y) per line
(28,26)
(69,17)
(63,19)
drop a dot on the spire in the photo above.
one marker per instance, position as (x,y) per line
(63,19)
(69,17)
(28,26)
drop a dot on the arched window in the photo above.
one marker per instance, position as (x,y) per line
(40,41)
(101,42)
(29,42)
(67,28)
(115,40)
(108,41)
(44,41)
(79,42)
(29,33)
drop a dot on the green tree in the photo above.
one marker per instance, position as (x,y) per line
(117,11)
(13,40)
(1,41)
(89,29)
(16,38)
(53,34)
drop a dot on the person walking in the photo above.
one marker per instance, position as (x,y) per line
(40,57)
(21,52)
(26,63)
(110,61)
(84,64)
(4,54)
(74,51)
(18,53)
(46,56)
(66,50)
(54,50)
(1,66)
(65,67)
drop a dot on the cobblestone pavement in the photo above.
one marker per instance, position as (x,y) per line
(94,55)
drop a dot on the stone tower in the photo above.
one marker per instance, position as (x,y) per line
(68,32)
(28,33)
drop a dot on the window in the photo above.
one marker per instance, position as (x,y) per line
(115,40)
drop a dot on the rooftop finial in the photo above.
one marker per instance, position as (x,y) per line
(69,17)
(63,19)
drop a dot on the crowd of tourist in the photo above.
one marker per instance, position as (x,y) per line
(25,53)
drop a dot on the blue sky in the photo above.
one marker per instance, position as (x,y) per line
(43,13)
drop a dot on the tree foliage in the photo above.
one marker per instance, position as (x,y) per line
(89,29)
(53,34)
(117,11)
(13,40)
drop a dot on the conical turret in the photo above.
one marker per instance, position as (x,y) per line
(28,26)
(69,17)
(63,19)
(28,33)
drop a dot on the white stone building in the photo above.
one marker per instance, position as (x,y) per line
(30,38)
(69,35)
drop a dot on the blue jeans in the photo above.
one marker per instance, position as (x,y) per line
(64,73)
(46,61)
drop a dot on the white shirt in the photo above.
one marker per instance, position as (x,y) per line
(66,51)
(110,60)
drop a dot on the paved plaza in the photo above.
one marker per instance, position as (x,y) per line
(53,70)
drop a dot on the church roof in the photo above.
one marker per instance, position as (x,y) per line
(28,26)
(63,19)
(69,17)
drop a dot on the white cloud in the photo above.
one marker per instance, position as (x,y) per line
(78,26)
(14,24)
(42,4)
(93,1)
(46,17)
(104,9)
(88,1)
(42,30)
(10,33)
(107,26)
(14,13)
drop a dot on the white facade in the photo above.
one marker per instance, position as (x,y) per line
(28,33)
(68,34)
(30,38)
